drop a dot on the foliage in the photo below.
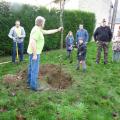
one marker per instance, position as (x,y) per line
(94,95)
(26,14)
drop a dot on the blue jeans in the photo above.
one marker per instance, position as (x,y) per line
(33,71)
(116,56)
(20,51)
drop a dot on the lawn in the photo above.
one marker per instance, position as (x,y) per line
(94,95)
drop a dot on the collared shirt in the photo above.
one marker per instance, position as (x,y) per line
(17,34)
(18,31)
(37,35)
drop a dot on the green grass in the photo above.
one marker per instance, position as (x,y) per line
(94,95)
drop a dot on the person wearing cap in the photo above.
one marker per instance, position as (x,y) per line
(35,47)
(17,34)
(102,36)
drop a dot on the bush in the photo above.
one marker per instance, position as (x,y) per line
(27,14)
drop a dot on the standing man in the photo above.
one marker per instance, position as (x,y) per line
(17,34)
(102,36)
(35,47)
(82,35)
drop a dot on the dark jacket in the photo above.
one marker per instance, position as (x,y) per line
(69,42)
(81,54)
(103,34)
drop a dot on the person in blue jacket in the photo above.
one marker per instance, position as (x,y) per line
(69,45)
(82,33)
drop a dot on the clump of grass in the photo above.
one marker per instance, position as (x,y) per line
(93,96)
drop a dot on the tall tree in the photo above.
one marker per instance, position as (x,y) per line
(62,5)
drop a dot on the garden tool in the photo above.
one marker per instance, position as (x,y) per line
(17,54)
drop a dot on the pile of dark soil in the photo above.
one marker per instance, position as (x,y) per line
(55,76)
(50,74)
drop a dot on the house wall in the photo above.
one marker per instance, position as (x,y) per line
(99,7)
(116,28)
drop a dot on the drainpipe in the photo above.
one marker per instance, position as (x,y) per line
(114,15)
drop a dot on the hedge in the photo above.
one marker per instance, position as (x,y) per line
(27,14)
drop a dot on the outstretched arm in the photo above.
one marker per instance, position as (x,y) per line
(52,31)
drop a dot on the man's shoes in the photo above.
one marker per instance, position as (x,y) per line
(38,89)
(42,89)
(105,63)
(28,87)
(13,62)
(97,62)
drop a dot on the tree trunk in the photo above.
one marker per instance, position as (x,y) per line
(110,14)
(62,4)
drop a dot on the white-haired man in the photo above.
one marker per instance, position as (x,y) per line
(35,47)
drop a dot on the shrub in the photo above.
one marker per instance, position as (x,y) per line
(27,14)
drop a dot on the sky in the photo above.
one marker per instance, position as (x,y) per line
(44,2)
(34,2)
(113,1)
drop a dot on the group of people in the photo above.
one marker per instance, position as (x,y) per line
(82,38)
(102,36)
(35,47)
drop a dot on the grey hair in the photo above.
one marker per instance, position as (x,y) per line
(39,20)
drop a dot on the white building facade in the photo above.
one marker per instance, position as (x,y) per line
(101,8)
